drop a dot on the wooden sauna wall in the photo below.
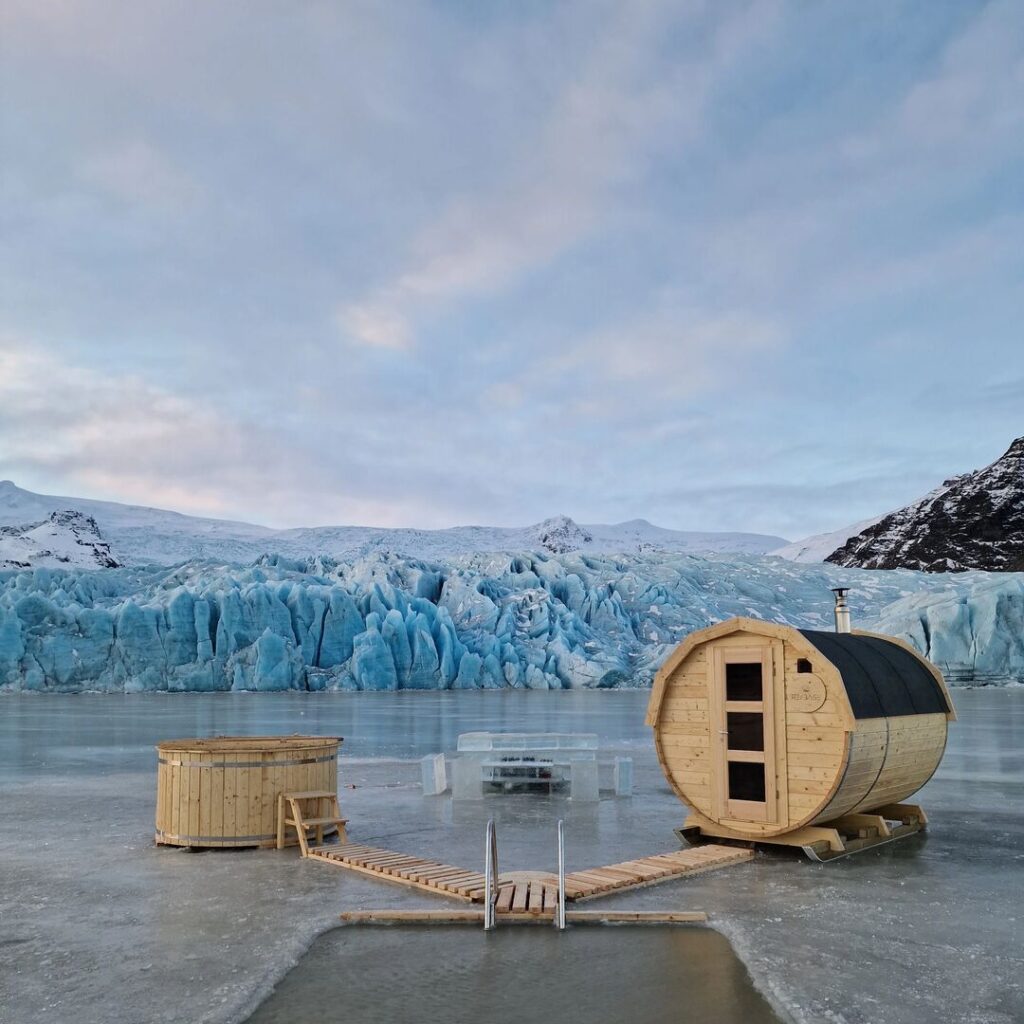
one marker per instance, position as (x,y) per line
(817,734)
(202,803)
(811,735)
(890,759)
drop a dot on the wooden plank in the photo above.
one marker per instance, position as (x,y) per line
(420,869)
(398,860)
(194,782)
(205,796)
(475,917)
(645,870)
(425,873)
(268,799)
(470,917)
(816,718)
(411,883)
(616,873)
(383,860)
(601,882)
(352,849)
(535,900)
(823,758)
(519,897)
(371,859)
(504,902)
(675,739)
(797,771)
(474,880)
(681,730)
(241,801)
(577,887)
(217,805)
(460,879)
(636,916)
(393,869)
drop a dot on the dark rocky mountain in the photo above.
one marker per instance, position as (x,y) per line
(974,521)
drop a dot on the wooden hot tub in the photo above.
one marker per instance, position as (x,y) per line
(222,790)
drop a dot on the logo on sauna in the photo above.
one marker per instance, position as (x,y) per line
(806,693)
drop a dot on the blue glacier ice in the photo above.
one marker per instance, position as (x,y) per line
(526,620)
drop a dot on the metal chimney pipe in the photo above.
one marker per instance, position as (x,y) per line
(842,610)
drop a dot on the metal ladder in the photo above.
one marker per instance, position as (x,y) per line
(491,878)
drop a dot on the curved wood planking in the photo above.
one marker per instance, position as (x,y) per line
(827,763)
(222,791)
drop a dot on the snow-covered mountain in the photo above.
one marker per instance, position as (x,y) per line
(148,536)
(818,547)
(65,539)
(973,521)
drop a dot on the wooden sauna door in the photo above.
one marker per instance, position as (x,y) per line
(743,734)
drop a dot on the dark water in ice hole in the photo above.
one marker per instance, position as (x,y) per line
(401,974)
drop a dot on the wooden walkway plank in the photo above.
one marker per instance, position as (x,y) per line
(476,916)
(519,897)
(535,900)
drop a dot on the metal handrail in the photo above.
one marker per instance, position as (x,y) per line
(490,876)
(560,908)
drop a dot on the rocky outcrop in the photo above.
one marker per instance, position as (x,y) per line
(66,538)
(974,521)
(560,535)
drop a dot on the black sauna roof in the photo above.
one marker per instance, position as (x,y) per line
(882,679)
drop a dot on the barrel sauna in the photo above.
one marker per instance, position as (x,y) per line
(222,791)
(804,737)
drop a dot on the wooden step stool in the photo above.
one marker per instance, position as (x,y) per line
(312,810)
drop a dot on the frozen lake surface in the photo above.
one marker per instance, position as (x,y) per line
(99,926)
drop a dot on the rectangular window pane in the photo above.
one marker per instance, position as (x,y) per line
(746,730)
(746,781)
(743,681)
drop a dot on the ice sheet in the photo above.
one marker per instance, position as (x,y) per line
(100,927)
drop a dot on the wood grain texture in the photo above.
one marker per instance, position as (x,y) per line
(822,763)
(223,791)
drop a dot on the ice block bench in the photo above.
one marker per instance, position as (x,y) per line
(535,759)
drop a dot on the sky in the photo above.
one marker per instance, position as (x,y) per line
(720,265)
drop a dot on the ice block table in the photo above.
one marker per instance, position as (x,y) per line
(514,760)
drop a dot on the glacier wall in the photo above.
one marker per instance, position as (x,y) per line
(389,622)
(975,635)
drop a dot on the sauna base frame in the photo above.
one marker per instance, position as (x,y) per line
(852,833)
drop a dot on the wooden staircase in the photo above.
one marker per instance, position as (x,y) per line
(315,810)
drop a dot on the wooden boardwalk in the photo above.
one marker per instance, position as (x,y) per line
(413,872)
(527,893)
(662,867)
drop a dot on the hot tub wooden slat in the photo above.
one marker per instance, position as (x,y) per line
(205,801)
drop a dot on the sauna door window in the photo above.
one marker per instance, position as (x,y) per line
(744,724)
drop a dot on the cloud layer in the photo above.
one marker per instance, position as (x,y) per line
(737,266)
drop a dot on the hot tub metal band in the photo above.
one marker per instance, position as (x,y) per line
(247,764)
(217,839)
